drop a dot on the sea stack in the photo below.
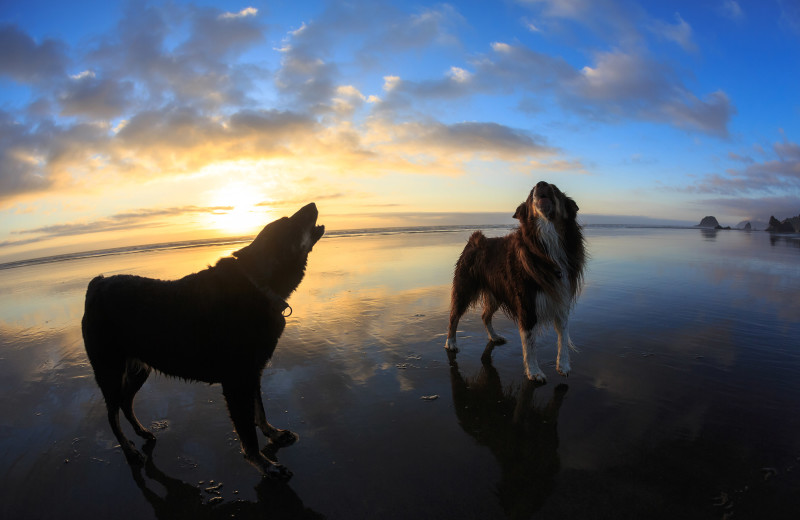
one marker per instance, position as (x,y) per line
(709,222)
(776,226)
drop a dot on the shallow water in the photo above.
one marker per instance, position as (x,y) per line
(683,402)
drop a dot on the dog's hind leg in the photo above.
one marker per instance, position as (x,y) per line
(532,370)
(564,346)
(109,374)
(241,397)
(463,295)
(490,306)
(281,438)
(136,374)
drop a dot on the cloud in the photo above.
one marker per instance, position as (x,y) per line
(248,11)
(118,222)
(460,142)
(753,208)
(166,93)
(741,158)
(21,157)
(310,77)
(26,61)
(95,98)
(617,85)
(185,139)
(41,157)
(198,69)
(603,17)
(627,81)
(781,173)
(731,9)
(419,30)
(680,32)
(291,203)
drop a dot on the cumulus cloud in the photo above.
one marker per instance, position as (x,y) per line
(200,69)
(166,92)
(617,85)
(27,61)
(434,141)
(95,98)
(42,157)
(247,11)
(309,75)
(627,80)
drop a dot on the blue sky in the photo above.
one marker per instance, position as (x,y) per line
(139,121)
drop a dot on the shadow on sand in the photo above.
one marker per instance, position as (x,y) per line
(522,436)
(182,500)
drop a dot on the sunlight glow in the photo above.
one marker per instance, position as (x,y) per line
(245,217)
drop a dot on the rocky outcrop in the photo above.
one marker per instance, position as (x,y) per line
(747,227)
(789,225)
(709,222)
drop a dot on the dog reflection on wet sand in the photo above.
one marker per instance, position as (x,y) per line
(522,436)
(177,499)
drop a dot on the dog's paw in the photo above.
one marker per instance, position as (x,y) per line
(147,435)
(537,376)
(497,340)
(564,369)
(283,438)
(450,345)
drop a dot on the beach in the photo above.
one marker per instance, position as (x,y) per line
(683,402)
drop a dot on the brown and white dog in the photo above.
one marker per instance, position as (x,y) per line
(533,274)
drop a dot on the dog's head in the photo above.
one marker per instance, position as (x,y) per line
(548,202)
(277,257)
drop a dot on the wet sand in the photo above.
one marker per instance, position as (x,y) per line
(683,402)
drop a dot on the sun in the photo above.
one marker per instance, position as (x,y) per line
(245,216)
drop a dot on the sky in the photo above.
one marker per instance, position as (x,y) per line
(138,122)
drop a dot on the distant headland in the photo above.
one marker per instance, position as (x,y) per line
(788,225)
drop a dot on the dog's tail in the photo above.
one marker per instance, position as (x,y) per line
(478,240)
(92,290)
(92,307)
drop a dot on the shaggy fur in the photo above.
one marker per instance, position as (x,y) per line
(220,325)
(533,274)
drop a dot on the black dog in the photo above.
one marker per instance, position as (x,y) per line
(533,274)
(220,325)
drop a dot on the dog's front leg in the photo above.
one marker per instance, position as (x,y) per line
(280,438)
(240,398)
(532,369)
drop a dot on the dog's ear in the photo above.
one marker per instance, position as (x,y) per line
(572,207)
(522,212)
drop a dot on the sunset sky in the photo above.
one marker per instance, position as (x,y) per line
(137,122)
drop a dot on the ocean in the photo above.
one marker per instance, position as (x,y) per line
(684,400)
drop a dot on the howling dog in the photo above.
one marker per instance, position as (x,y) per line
(220,325)
(533,274)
